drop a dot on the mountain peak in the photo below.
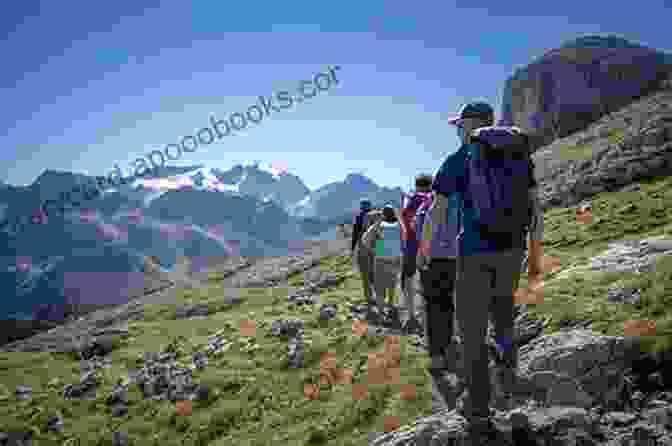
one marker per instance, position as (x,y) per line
(53,180)
(359,179)
(276,171)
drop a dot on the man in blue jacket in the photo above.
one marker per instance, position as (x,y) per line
(488,268)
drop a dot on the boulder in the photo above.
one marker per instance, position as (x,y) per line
(593,363)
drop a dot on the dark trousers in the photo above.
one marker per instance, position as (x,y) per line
(438,287)
(408,268)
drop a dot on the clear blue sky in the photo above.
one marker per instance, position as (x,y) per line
(85,85)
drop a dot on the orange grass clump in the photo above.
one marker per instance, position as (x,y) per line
(184,408)
(360,328)
(391,423)
(639,327)
(311,391)
(248,328)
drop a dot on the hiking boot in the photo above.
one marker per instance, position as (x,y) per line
(439,363)
(481,431)
(412,326)
(452,357)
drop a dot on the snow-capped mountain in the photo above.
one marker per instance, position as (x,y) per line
(264,182)
(250,210)
(341,198)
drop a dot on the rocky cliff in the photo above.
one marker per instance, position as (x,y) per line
(571,86)
(632,144)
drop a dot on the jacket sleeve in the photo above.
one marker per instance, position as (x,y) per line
(406,215)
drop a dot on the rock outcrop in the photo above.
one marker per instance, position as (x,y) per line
(632,144)
(571,86)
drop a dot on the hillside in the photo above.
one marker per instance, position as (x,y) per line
(267,402)
(278,350)
(248,393)
(176,212)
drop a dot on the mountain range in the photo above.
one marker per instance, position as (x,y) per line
(249,210)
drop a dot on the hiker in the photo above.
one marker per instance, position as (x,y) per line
(493,176)
(363,258)
(437,262)
(384,239)
(417,202)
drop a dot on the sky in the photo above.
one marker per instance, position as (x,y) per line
(87,85)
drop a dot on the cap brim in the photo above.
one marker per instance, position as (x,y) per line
(455,120)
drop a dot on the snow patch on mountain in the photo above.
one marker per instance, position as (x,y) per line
(203,180)
(303,209)
(275,169)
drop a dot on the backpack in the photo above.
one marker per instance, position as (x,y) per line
(362,219)
(421,214)
(498,180)
(388,245)
(424,247)
(410,221)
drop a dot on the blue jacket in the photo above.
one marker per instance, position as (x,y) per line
(450,179)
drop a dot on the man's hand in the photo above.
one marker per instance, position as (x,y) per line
(439,209)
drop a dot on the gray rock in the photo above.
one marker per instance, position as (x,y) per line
(86,388)
(526,329)
(638,400)
(644,435)
(233,298)
(119,410)
(579,354)
(202,392)
(658,415)
(296,353)
(100,346)
(55,423)
(327,312)
(187,311)
(23,393)
(659,245)
(120,439)
(16,438)
(619,418)
(298,299)
(119,395)
(630,296)
(287,328)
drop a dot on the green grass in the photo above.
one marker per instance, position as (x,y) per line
(583,296)
(258,400)
(585,151)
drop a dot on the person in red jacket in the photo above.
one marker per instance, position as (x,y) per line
(413,202)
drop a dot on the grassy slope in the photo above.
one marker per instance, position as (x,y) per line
(582,296)
(259,401)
